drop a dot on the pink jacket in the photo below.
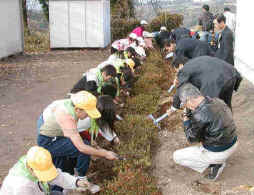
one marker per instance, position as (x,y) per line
(138,31)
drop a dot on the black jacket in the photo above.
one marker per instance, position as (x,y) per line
(206,21)
(180,33)
(208,74)
(225,49)
(163,37)
(192,48)
(211,123)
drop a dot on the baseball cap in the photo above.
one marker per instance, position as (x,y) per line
(40,160)
(163,28)
(86,101)
(143,22)
(133,36)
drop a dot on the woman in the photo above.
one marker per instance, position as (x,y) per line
(103,126)
(58,132)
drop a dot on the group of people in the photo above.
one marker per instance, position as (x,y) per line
(67,128)
(205,81)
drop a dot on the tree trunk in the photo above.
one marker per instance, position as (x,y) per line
(25,16)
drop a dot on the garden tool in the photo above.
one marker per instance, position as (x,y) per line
(119,117)
(171,88)
(156,121)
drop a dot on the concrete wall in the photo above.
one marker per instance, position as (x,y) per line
(244,40)
(11,30)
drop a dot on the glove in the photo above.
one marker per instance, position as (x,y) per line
(187,112)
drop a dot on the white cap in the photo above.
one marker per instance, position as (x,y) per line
(163,28)
(133,36)
(143,22)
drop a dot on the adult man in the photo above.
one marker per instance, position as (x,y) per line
(94,79)
(58,132)
(225,43)
(230,19)
(206,21)
(189,48)
(180,33)
(212,76)
(163,36)
(210,122)
(34,173)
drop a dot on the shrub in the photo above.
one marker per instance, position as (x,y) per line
(121,27)
(36,41)
(171,21)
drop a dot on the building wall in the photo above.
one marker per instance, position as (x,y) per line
(79,23)
(244,40)
(11,31)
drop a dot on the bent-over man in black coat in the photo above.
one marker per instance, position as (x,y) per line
(212,76)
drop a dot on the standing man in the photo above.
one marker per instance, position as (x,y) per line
(212,76)
(225,43)
(210,122)
(206,21)
(230,19)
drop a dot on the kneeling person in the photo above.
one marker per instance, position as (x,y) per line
(34,174)
(210,122)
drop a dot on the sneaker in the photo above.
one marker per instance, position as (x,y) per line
(215,171)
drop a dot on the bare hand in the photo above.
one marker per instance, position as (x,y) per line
(110,155)
(83,183)
(176,82)
(116,141)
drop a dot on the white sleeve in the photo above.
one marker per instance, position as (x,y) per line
(64,180)
(84,124)
(91,75)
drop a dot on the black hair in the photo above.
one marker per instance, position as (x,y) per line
(127,76)
(83,84)
(107,108)
(132,51)
(137,62)
(179,60)
(113,50)
(109,70)
(226,9)
(109,89)
(206,7)
(220,18)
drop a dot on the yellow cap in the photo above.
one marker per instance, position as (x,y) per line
(86,101)
(130,63)
(39,159)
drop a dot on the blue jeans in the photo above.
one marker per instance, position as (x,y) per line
(62,148)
